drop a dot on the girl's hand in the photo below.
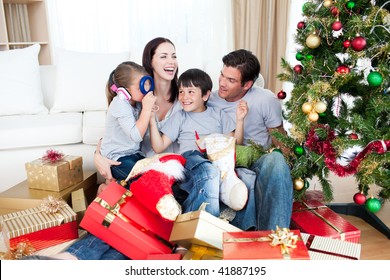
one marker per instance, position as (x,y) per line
(242,110)
(148,102)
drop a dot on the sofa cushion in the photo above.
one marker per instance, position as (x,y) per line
(93,126)
(20,82)
(81,80)
(40,130)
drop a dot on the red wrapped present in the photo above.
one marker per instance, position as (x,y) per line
(324,248)
(313,217)
(267,244)
(164,257)
(116,217)
(41,227)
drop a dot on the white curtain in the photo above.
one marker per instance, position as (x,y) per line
(123,25)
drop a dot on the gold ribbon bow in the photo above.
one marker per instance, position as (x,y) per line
(285,239)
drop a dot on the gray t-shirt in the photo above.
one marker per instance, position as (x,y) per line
(121,136)
(264,111)
(182,125)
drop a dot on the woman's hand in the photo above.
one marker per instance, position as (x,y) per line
(103,164)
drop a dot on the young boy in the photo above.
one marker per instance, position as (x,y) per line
(202,177)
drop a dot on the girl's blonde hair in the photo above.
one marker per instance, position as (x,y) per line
(124,76)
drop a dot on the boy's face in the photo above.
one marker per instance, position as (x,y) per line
(191,99)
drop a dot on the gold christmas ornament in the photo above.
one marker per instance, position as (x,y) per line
(320,107)
(313,116)
(298,184)
(307,107)
(328,3)
(313,41)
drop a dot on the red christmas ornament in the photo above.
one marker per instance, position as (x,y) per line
(335,11)
(358,44)
(298,69)
(301,25)
(359,198)
(282,94)
(346,44)
(337,25)
(343,69)
(353,136)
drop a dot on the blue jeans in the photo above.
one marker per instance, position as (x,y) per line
(120,172)
(92,248)
(273,191)
(201,183)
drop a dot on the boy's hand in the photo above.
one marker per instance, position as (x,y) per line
(242,110)
(148,102)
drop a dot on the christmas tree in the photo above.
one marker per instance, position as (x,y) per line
(339,107)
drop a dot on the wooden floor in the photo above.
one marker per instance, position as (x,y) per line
(375,245)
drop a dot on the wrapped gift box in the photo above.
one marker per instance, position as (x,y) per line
(38,228)
(198,252)
(116,217)
(258,245)
(324,248)
(54,176)
(164,257)
(313,217)
(201,228)
(21,197)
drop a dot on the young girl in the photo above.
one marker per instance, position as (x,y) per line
(126,123)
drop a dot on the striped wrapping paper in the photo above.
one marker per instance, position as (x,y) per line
(324,248)
(39,228)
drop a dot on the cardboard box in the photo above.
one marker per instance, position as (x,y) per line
(22,197)
(200,228)
(54,176)
(38,228)
(198,252)
(251,245)
(315,218)
(116,217)
(324,248)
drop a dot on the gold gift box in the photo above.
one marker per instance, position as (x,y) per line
(197,252)
(54,176)
(200,228)
(21,197)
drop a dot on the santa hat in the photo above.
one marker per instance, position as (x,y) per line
(153,188)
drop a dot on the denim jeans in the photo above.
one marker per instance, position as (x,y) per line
(92,248)
(273,191)
(201,183)
(120,172)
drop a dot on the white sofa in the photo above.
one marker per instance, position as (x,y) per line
(69,104)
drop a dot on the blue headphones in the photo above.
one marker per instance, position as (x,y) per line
(146,85)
